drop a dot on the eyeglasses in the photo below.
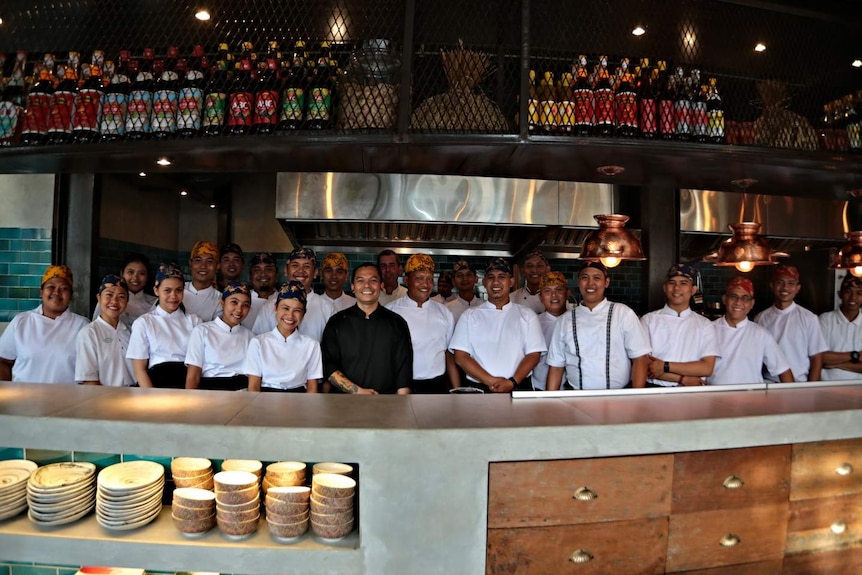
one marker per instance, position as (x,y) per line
(743,298)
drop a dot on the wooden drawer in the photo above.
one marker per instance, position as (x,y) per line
(826,469)
(730,478)
(543,492)
(772,567)
(826,524)
(846,562)
(617,547)
(695,540)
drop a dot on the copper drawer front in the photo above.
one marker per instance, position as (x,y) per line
(826,524)
(845,562)
(567,492)
(826,469)
(728,537)
(772,567)
(617,547)
(730,478)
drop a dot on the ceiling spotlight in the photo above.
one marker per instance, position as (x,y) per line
(760,47)
(638,31)
(857,63)
(1,20)
(610,170)
(184,193)
(142,174)
(164,161)
(212,206)
(202,15)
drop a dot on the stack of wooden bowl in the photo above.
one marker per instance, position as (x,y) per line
(237,497)
(193,511)
(284,474)
(195,472)
(332,505)
(287,512)
(250,465)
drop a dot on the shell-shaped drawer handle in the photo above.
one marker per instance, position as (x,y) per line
(844,469)
(585,494)
(733,482)
(730,540)
(581,556)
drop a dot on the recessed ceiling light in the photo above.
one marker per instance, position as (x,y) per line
(760,47)
(164,161)
(142,174)
(1,20)
(202,15)
(183,193)
(638,31)
(610,170)
(212,206)
(857,63)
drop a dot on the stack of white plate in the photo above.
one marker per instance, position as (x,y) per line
(61,493)
(13,486)
(129,494)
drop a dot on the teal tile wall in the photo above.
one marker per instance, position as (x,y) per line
(112,253)
(24,255)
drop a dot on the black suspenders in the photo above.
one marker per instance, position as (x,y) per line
(607,348)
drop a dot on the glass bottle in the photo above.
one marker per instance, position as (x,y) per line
(141,99)
(293,92)
(648,102)
(604,97)
(566,104)
(12,104)
(115,103)
(241,100)
(87,116)
(681,106)
(63,101)
(191,96)
(215,100)
(547,104)
(585,117)
(34,130)
(699,117)
(266,98)
(714,114)
(626,102)
(322,93)
(666,113)
(165,98)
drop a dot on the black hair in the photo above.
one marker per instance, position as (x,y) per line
(388,253)
(367,265)
(136,257)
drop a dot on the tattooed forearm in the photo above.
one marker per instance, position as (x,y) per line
(340,381)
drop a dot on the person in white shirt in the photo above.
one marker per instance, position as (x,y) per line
(465,279)
(746,348)
(160,338)
(444,288)
(264,277)
(284,360)
(535,266)
(101,346)
(796,329)
(136,273)
(230,265)
(600,344)
(201,296)
(842,330)
(390,268)
(431,326)
(302,267)
(38,346)
(683,342)
(215,358)
(334,271)
(554,293)
(498,343)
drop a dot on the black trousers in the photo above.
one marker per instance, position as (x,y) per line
(234,383)
(170,374)
(439,384)
(300,389)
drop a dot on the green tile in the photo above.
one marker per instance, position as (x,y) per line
(17,245)
(101,460)
(19,293)
(9,304)
(43,234)
(44,257)
(30,233)
(29,281)
(19,269)
(13,281)
(33,570)
(46,456)
(4,268)
(7,233)
(165,461)
(11,453)
(67,570)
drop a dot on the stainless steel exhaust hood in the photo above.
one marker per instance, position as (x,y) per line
(439,214)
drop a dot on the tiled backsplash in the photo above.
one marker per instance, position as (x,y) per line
(24,255)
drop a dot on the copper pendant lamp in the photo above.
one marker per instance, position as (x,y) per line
(745,249)
(612,243)
(849,257)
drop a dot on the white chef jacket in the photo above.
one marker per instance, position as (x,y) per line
(258,303)
(540,372)
(597,363)
(458,305)
(139,304)
(343,301)
(798,334)
(444,300)
(160,337)
(431,327)
(284,362)
(840,335)
(745,351)
(101,354)
(498,339)
(42,348)
(318,310)
(385,299)
(218,349)
(531,300)
(202,303)
(686,336)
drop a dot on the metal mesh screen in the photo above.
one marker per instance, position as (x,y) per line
(464,61)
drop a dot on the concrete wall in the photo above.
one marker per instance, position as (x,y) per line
(138,215)
(28,200)
(254,226)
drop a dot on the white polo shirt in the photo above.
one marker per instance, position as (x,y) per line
(685,336)
(498,339)
(459,305)
(540,372)
(431,327)
(139,304)
(522,297)
(257,304)
(218,349)
(386,299)
(202,303)
(101,354)
(840,335)
(745,350)
(598,364)
(43,349)
(284,362)
(343,301)
(317,312)
(798,334)
(159,336)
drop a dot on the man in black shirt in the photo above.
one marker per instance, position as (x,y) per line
(366,348)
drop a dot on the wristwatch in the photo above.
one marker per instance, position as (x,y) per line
(515,383)
(854,357)
(667,367)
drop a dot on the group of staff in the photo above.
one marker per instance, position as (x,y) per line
(402,338)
